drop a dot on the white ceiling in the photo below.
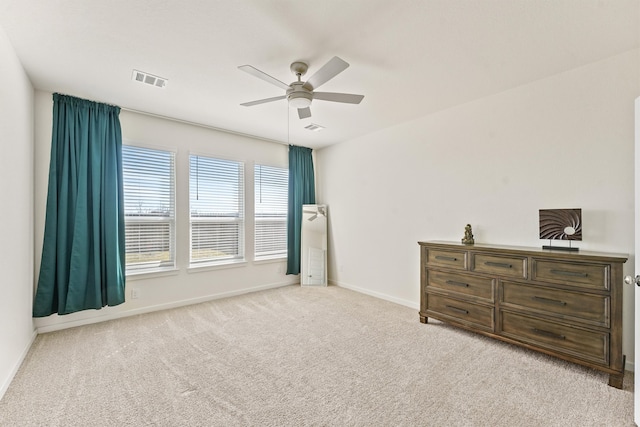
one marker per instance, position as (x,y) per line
(408,57)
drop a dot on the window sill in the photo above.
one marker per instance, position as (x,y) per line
(219,266)
(266,260)
(142,275)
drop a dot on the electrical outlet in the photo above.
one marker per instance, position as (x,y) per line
(135,293)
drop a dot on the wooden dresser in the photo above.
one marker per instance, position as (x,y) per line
(565,304)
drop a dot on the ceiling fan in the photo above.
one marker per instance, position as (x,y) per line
(319,211)
(299,94)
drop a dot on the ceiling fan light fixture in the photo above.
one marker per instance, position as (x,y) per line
(299,99)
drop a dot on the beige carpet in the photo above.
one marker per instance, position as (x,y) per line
(299,357)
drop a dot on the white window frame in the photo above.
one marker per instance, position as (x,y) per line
(199,173)
(270,205)
(168,201)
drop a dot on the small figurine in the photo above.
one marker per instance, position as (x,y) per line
(468,235)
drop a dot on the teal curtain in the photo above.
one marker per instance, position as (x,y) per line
(83,252)
(302,191)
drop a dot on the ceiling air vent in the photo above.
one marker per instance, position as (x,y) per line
(314,127)
(150,79)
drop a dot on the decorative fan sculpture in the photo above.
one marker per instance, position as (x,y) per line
(561,224)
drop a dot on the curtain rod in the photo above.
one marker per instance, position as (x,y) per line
(187,122)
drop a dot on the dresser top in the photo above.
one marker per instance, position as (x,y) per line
(528,250)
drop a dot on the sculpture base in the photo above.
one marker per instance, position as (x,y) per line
(561,248)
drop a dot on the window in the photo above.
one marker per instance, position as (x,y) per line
(271,192)
(216,196)
(149,208)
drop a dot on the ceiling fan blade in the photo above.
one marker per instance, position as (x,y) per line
(328,71)
(348,98)
(264,76)
(304,113)
(263,101)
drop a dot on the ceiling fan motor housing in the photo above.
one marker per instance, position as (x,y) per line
(298,96)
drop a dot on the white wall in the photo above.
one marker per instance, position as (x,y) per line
(16,216)
(562,142)
(183,286)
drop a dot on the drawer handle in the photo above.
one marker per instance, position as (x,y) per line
(569,273)
(549,300)
(498,264)
(548,334)
(446,258)
(454,283)
(459,310)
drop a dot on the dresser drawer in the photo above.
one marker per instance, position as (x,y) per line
(447,258)
(466,284)
(595,276)
(504,266)
(478,315)
(589,308)
(586,345)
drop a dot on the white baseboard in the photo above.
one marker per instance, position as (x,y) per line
(630,366)
(5,385)
(406,303)
(158,307)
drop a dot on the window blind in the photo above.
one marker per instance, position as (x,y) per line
(216,196)
(271,185)
(149,208)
